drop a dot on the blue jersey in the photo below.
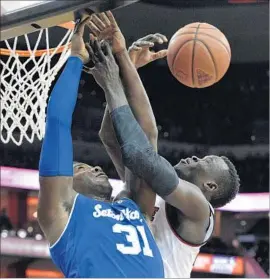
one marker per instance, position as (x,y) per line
(105,239)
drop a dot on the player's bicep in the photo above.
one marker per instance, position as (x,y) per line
(56,197)
(189,200)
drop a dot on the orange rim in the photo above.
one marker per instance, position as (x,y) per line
(26,53)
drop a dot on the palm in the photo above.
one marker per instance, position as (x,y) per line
(104,27)
(115,37)
(140,51)
(140,57)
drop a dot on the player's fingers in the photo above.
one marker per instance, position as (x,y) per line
(159,54)
(162,37)
(144,44)
(92,37)
(155,38)
(95,30)
(107,48)
(98,22)
(111,18)
(105,19)
(98,51)
(87,70)
(79,27)
(103,47)
(92,45)
(135,48)
(92,57)
(90,50)
(149,38)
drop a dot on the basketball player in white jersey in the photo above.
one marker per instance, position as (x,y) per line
(184,218)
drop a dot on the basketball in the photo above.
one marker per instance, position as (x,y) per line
(199,55)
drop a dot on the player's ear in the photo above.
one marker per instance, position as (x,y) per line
(210,186)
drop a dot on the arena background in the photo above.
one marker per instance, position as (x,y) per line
(230,118)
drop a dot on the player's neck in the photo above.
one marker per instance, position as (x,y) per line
(103,199)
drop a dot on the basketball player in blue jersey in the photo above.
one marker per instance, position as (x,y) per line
(189,190)
(89,235)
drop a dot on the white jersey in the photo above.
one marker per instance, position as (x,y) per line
(178,256)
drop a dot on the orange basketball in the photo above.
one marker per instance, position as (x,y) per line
(199,55)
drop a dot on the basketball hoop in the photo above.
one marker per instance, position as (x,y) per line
(26,77)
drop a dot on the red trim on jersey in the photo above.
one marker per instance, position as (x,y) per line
(177,235)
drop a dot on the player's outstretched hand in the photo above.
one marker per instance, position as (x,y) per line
(105,27)
(105,69)
(140,52)
(77,44)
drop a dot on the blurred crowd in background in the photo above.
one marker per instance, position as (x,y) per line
(232,114)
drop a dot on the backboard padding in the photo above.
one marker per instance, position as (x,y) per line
(49,13)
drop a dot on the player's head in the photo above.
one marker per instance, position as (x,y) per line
(91,181)
(215,176)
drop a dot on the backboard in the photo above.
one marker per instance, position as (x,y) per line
(23,17)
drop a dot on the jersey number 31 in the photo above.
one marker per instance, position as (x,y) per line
(133,238)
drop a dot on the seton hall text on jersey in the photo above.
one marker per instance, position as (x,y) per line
(125,213)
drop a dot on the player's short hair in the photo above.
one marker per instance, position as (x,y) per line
(229,186)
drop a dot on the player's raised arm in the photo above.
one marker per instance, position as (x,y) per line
(137,152)
(104,26)
(56,195)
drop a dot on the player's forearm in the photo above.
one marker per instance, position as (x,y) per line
(114,94)
(139,155)
(109,140)
(106,132)
(140,105)
(56,158)
(137,97)
(136,187)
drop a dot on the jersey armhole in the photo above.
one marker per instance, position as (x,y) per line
(69,218)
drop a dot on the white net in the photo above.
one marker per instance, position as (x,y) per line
(26,77)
